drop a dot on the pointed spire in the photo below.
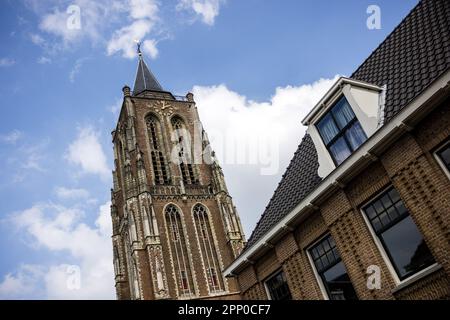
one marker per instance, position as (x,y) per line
(145,80)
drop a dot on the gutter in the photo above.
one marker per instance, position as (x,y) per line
(403,122)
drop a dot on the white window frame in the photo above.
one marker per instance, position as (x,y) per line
(383,252)
(273,274)
(311,262)
(343,94)
(439,160)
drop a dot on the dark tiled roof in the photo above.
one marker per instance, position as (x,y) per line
(415,54)
(145,80)
(298,180)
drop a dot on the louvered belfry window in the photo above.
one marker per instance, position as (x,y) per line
(186,166)
(159,165)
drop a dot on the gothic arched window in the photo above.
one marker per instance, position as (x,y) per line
(178,246)
(184,152)
(207,248)
(160,171)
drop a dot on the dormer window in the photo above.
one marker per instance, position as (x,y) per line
(341,131)
(346,116)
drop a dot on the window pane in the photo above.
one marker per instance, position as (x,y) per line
(327,128)
(325,254)
(406,247)
(392,213)
(378,207)
(386,201)
(355,135)
(393,194)
(400,207)
(278,287)
(384,219)
(340,150)
(326,245)
(376,224)
(385,210)
(445,156)
(314,252)
(338,284)
(343,113)
(370,211)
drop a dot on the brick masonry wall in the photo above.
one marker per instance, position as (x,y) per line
(411,167)
(132,131)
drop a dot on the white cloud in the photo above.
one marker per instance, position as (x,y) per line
(37,39)
(56,23)
(76,69)
(149,47)
(123,39)
(87,152)
(143,9)
(116,24)
(74,193)
(207,10)
(93,18)
(7,62)
(11,137)
(62,25)
(103,222)
(44,60)
(25,283)
(33,156)
(24,158)
(116,106)
(59,230)
(143,15)
(267,132)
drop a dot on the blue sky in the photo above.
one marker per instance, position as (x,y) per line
(254,66)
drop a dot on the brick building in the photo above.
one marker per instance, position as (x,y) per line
(362,211)
(175,227)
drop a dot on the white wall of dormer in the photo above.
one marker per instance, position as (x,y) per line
(365,103)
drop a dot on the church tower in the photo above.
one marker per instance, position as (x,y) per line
(175,227)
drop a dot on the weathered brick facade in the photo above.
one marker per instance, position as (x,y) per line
(332,223)
(158,254)
(411,167)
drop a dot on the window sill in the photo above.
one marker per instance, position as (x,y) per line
(413,279)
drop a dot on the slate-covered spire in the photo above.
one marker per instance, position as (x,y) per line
(145,80)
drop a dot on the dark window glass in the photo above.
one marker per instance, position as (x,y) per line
(398,233)
(278,287)
(338,282)
(184,281)
(444,154)
(341,131)
(213,277)
(332,271)
(340,150)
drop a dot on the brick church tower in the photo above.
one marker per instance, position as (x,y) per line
(175,227)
